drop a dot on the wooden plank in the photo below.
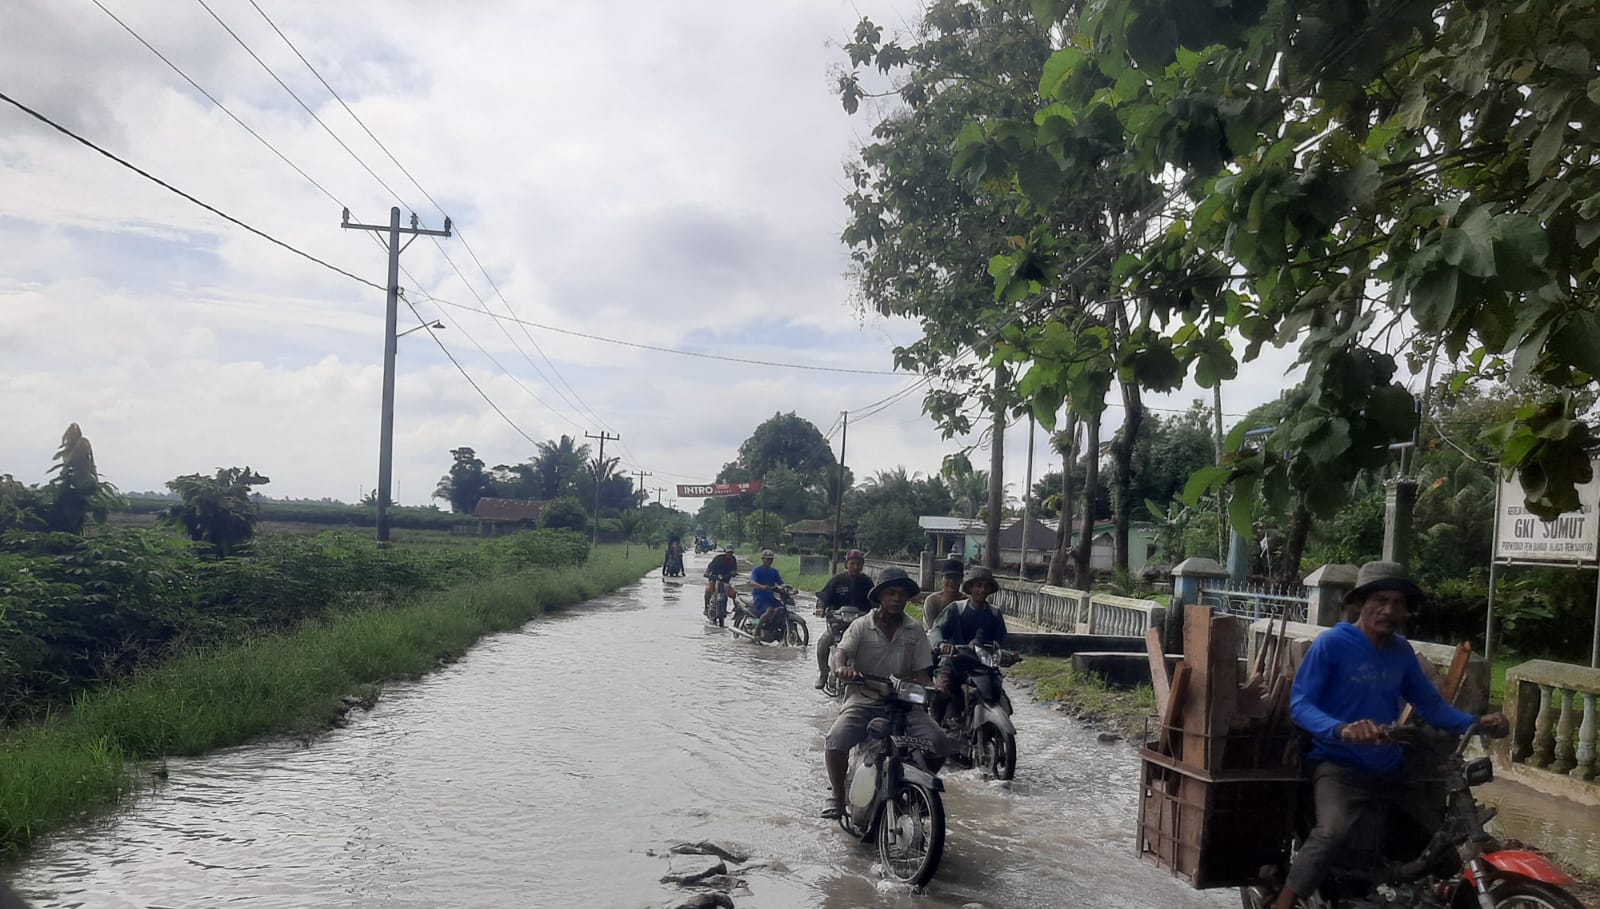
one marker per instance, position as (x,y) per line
(1450,685)
(1197,655)
(1222,686)
(1158,669)
(1170,715)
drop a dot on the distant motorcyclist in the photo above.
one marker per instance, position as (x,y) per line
(764,584)
(721,570)
(962,623)
(1351,684)
(950,572)
(885,642)
(851,587)
(672,562)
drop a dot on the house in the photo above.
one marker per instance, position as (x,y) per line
(963,536)
(966,536)
(498,516)
(813,534)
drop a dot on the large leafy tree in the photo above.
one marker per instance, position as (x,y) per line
(466,482)
(1344,174)
(217,510)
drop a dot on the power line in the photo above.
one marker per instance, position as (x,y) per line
(475,387)
(306,107)
(178,192)
(671,350)
(581,404)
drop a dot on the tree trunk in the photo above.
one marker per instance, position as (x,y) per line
(1122,454)
(1294,546)
(1081,555)
(997,466)
(1069,457)
(1222,493)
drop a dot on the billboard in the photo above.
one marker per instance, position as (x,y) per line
(711,490)
(1523,536)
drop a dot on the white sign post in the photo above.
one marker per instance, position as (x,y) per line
(1522,538)
(1571,538)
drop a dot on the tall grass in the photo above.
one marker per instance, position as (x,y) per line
(283,683)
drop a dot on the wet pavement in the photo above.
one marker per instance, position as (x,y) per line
(544,768)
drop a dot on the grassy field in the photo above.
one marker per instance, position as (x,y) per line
(85,758)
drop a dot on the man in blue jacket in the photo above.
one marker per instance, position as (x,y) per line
(1352,684)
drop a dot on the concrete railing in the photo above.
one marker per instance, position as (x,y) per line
(1552,709)
(1076,612)
(1055,608)
(1123,616)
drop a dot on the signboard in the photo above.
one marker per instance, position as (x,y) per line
(1572,537)
(713,490)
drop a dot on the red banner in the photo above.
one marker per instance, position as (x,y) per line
(711,490)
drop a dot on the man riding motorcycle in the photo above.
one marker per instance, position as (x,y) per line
(720,571)
(851,587)
(885,642)
(764,584)
(1350,686)
(950,572)
(962,623)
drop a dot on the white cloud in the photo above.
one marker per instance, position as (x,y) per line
(662,173)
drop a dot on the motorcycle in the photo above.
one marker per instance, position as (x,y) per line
(716,610)
(672,565)
(1462,865)
(783,624)
(982,735)
(891,795)
(838,620)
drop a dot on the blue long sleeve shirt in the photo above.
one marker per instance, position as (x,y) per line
(1345,678)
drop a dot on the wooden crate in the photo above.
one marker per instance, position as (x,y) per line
(1214,828)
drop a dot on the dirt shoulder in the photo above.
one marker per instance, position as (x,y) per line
(1087,698)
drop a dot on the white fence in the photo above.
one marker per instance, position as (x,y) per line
(1078,612)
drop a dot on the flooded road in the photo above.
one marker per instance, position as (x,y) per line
(543,768)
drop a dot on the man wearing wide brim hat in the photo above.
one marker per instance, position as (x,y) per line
(1349,687)
(884,642)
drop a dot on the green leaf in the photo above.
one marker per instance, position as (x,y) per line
(971,134)
(1433,298)
(1577,344)
(1203,481)
(1060,67)
(1329,440)
(1546,146)
(1039,177)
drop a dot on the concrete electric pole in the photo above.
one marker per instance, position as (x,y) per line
(390,319)
(644,493)
(599,462)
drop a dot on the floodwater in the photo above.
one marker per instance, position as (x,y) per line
(545,767)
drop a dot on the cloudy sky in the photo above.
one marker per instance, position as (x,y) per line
(661,173)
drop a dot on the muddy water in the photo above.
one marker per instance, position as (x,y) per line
(543,768)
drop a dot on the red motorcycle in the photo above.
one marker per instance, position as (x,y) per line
(1461,867)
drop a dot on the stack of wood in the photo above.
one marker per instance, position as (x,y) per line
(1221,774)
(1218,799)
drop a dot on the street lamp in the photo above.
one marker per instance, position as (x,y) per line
(435,324)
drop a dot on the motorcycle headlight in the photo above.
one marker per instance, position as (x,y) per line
(989,658)
(912,693)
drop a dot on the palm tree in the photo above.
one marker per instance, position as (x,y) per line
(556,465)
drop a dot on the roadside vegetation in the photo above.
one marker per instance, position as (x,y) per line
(1087,696)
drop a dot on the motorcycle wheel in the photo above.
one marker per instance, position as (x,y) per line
(797,634)
(1525,894)
(911,835)
(997,753)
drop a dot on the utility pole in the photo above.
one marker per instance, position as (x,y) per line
(599,462)
(641,474)
(390,319)
(1027,502)
(838,505)
(659,491)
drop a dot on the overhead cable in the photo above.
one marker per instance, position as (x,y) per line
(178,192)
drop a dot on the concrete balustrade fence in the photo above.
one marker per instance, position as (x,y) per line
(1552,710)
(1078,612)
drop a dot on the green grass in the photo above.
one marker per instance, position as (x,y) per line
(789,568)
(1087,695)
(281,684)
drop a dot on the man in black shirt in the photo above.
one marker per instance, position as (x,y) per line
(847,588)
(722,568)
(963,623)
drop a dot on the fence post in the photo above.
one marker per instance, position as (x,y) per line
(1188,576)
(1327,587)
(927,579)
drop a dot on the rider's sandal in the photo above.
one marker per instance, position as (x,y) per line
(833,811)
